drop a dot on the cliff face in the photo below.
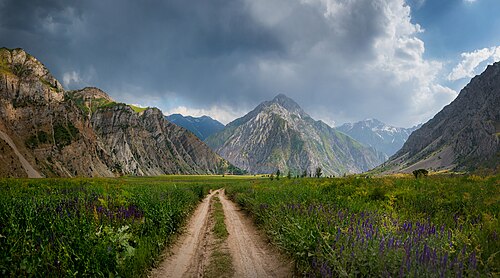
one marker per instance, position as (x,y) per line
(85,133)
(278,134)
(146,144)
(462,136)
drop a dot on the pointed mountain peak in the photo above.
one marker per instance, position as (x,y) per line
(283,99)
(287,103)
(373,121)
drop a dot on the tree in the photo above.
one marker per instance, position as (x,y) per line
(304,174)
(318,172)
(278,174)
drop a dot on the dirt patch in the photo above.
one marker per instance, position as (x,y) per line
(252,255)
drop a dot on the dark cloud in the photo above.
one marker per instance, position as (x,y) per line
(230,54)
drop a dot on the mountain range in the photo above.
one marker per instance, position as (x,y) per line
(279,135)
(47,131)
(463,136)
(374,133)
(202,127)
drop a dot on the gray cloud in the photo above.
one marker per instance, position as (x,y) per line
(341,60)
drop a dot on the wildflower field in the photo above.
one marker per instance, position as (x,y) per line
(431,227)
(351,227)
(91,227)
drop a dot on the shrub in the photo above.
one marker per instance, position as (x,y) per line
(419,173)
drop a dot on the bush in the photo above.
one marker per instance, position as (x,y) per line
(419,173)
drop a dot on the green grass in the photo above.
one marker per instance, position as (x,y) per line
(137,109)
(219,230)
(439,225)
(220,264)
(90,227)
(381,226)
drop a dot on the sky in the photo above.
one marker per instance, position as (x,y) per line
(400,61)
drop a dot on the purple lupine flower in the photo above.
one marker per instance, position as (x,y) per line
(445,259)
(381,246)
(473,260)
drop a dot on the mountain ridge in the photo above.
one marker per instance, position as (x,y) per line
(463,136)
(85,132)
(278,134)
(202,127)
(384,138)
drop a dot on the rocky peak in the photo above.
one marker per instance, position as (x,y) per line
(18,63)
(287,103)
(382,137)
(278,134)
(91,93)
(24,81)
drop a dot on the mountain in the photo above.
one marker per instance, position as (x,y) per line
(465,135)
(47,131)
(202,127)
(374,133)
(278,134)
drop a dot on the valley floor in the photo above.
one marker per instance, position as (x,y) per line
(239,226)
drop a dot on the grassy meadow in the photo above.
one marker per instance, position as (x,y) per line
(92,227)
(393,226)
(349,227)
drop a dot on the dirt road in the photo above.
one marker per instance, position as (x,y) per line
(187,255)
(251,255)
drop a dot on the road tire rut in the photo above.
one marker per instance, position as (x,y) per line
(188,255)
(251,255)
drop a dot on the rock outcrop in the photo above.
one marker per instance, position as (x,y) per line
(464,136)
(85,132)
(278,134)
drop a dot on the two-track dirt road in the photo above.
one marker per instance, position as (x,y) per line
(251,254)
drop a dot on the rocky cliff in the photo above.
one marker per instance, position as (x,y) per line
(85,133)
(278,134)
(462,136)
(382,137)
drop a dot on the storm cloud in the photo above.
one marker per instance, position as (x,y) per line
(341,60)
